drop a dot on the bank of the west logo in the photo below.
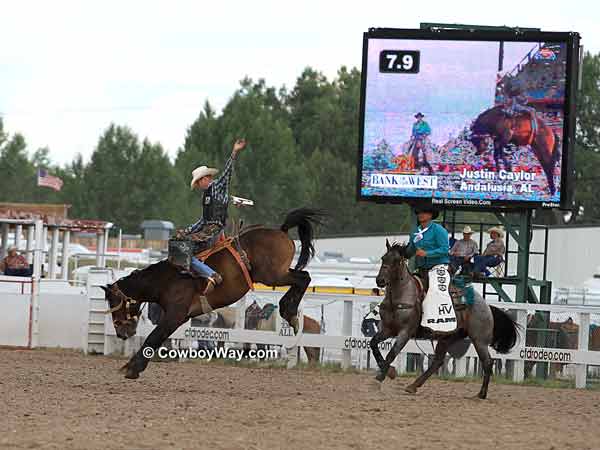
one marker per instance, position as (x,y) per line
(402,181)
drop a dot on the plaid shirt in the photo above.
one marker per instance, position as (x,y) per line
(215,200)
(464,248)
(13,262)
(495,248)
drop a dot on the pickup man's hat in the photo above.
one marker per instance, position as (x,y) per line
(200,172)
(419,115)
(467,230)
(430,209)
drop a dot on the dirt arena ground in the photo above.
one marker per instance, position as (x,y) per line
(65,400)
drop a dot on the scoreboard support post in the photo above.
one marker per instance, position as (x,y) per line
(521,232)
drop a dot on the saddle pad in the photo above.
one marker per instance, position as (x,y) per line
(438,310)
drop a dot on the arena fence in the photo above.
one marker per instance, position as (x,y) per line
(555,341)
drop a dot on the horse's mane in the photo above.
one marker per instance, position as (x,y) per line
(152,269)
(399,247)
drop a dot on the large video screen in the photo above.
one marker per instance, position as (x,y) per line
(465,122)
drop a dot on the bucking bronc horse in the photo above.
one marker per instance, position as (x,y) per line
(270,253)
(518,130)
(400,314)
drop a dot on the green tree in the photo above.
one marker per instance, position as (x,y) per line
(313,114)
(127,182)
(18,174)
(587,140)
(269,171)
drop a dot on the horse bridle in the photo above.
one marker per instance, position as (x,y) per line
(398,268)
(395,267)
(124,301)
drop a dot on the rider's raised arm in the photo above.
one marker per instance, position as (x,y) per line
(221,184)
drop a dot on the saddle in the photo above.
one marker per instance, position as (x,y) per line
(206,243)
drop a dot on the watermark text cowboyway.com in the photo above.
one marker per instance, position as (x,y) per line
(209,354)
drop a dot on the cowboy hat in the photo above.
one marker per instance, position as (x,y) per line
(467,230)
(498,230)
(430,209)
(200,172)
(12,248)
(419,115)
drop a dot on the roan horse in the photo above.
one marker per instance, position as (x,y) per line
(519,130)
(270,253)
(401,317)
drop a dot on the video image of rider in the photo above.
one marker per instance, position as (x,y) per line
(472,123)
(420,134)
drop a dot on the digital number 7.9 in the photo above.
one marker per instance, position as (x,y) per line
(399,61)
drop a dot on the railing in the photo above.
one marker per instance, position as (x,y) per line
(17,280)
(347,341)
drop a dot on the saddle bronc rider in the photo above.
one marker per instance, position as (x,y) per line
(429,243)
(215,201)
(517,103)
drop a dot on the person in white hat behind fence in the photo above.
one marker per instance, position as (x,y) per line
(493,254)
(463,250)
(215,201)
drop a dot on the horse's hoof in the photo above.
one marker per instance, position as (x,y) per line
(481,396)
(380,376)
(391,373)
(410,389)
(132,375)
(295,324)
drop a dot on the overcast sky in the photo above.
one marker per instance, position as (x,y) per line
(67,69)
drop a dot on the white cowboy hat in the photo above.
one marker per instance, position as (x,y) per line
(200,172)
(498,230)
(11,248)
(467,230)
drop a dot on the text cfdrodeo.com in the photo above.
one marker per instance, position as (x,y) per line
(540,354)
(209,354)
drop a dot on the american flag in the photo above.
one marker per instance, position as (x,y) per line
(43,179)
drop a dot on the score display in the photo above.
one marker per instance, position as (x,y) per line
(399,61)
(468,118)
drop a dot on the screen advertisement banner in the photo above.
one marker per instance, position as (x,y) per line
(472,121)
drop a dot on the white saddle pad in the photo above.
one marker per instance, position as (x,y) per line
(438,311)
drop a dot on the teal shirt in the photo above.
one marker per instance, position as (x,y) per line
(434,242)
(421,129)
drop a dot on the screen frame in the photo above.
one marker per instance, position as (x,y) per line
(571,39)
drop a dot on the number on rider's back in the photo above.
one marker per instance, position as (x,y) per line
(399,61)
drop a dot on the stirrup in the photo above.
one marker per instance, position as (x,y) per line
(212,282)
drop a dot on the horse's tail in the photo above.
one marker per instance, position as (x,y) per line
(505,331)
(305,219)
